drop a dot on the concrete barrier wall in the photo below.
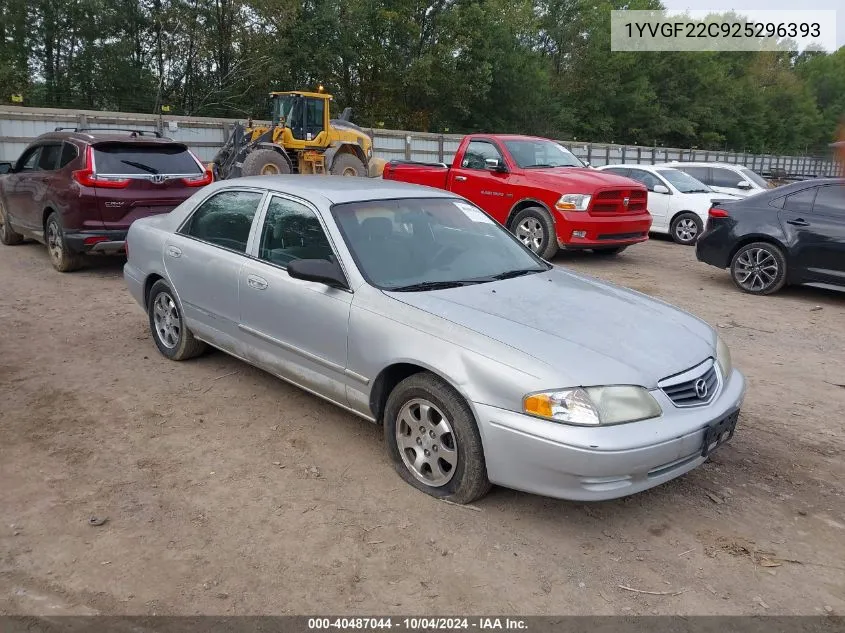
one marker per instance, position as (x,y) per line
(204,135)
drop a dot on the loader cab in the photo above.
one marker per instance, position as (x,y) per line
(305,114)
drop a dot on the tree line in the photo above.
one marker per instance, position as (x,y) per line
(525,66)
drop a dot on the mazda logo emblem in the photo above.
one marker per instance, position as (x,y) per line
(701,388)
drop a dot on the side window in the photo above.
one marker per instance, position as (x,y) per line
(29,160)
(802,201)
(702,174)
(225,219)
(314,116)
(726,178)
(648,179)
(479,151)
(49,159)
(69,153)
(292,231)
(830,200)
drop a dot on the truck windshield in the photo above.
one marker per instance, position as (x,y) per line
(417,244)
(537,153)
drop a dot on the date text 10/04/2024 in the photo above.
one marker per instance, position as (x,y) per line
(417,623)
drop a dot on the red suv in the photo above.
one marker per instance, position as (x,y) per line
(77,191)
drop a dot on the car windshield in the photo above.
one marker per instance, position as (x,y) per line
(683,182)
(430,243)
(754,177)
(536,153)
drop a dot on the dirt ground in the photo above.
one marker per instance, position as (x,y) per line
(229,492)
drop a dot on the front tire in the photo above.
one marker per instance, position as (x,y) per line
(348,165)
(433,440)
(264,162)
(173,339)
(62,259)
(8,236)
(759,268)
(685,228)
(535,228)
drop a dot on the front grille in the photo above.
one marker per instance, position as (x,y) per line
(612,202)
(694,387)
(620,236)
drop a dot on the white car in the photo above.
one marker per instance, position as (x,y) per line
(678,202)
(724,177)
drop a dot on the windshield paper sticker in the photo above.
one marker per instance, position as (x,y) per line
(472,213)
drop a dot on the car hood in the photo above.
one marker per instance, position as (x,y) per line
(587,330)
(564,178)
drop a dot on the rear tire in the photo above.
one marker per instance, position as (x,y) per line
(759,268)
(448,449)
(8,236)
(62,259)
(167,324)
(348,165)
(264,162)
(535,228)
(685,228)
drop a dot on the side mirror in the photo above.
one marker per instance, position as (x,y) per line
(494,164)
(661,189)
(5,167)
(743,184)
(321,271)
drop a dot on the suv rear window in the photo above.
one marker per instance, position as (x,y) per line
(120,158)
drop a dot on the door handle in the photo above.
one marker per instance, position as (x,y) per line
(254,281)
(460,178)
(798,222)
(174,252)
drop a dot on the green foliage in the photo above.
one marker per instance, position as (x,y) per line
(524,66)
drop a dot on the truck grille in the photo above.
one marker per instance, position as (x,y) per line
(694,387)
(612,202)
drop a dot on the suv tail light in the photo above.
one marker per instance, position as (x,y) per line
(87,178)
(199,181)
(716,212)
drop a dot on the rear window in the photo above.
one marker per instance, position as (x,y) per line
(136,159)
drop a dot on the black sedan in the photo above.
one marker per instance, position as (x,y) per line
(794,234)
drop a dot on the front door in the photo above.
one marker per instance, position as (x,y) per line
(476,181)
(659,204)
(21,191)
(204,259)
(296,329)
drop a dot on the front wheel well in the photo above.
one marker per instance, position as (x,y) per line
(685,212)
(521,206)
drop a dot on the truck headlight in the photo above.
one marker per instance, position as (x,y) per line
(723,357)
(573,202)
(593,406)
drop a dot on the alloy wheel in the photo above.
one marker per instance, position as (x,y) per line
(168,324)
(756,269)
(530,232)
(426,442)
(686,230)
(55,243)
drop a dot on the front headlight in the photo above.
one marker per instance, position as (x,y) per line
(593,406)
(573,202)
(723,358)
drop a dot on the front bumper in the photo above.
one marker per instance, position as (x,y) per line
(114,242)
(600,231)
(595,463)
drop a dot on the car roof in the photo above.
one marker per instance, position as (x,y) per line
(98,136)
(699,163)
(336,189)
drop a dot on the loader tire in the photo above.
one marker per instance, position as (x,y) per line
(264,162)
(348,165)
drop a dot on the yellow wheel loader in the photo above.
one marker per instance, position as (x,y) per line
(301,139)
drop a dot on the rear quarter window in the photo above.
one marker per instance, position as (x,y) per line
(137,159)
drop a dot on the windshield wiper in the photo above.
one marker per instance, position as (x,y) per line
(431,285)
(518,273)
(146,168)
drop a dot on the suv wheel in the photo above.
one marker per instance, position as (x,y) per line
(433,440)
(534,228)
(62,259)
(173,339)
(759,268)
(7,234)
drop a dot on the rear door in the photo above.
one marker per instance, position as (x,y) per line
(157,177)
(476,182)
(827,259)
(801,227)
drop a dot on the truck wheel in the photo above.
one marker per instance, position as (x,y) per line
(534,228)
(61,257)
(264,162)
(348,165)
(7,234)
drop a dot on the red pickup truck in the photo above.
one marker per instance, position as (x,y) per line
(540,191)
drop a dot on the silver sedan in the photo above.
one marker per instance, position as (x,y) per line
(411,308)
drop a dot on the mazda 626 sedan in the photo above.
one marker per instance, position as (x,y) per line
(410,307)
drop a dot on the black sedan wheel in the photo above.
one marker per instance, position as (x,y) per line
(759,268)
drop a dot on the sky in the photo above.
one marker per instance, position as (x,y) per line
(738,5)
